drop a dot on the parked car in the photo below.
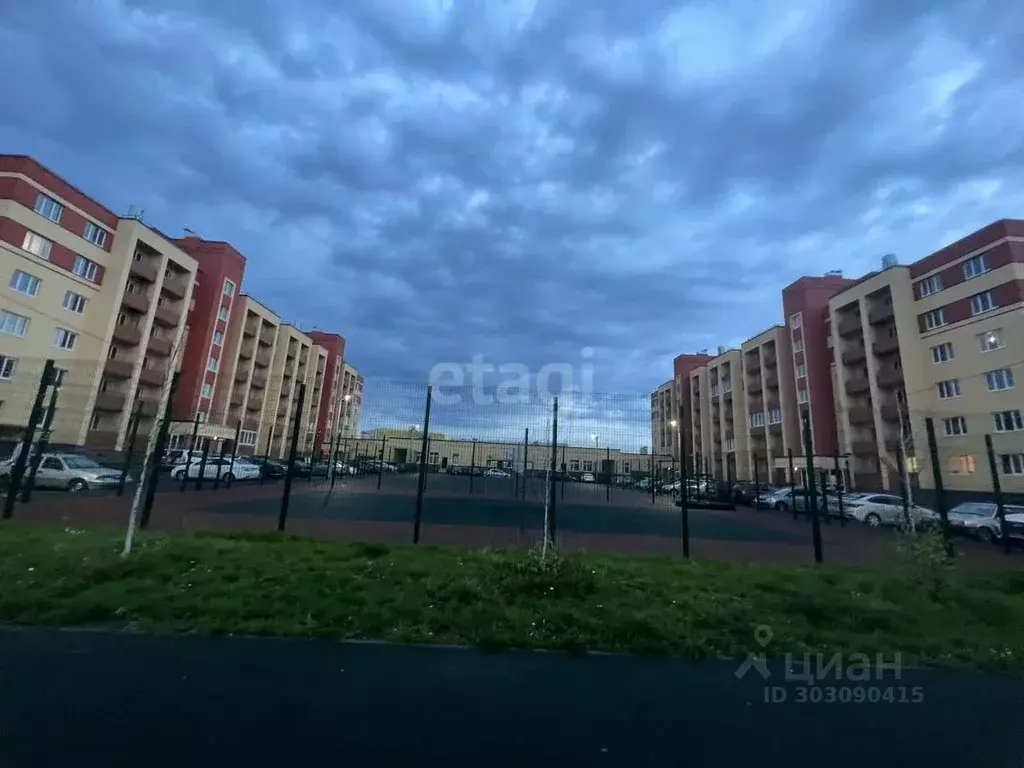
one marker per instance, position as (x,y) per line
(74,472)
(1015,526)
(268,468)
(876,509)
(785,499)
(217,467)
(745,492)
(495,472)
(587,477)
(980,519)
(176,456)
(374,466)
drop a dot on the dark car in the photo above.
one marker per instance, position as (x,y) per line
(269,468)
(745,492)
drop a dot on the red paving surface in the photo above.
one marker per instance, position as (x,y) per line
(196,511)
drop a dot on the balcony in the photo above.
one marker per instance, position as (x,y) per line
(889,378)
(242,374)
(258,381)
(886,346)
(890,413)
(251,424)
(236,400)
(282,411)
(850,326)
(771,381)
(166,316)
(267,337)
(144,270)
(128,335)
(112,402)
(263,359)
(865,448)
(149,406)
(254,404)
(250,327)
(854,356)
(138,302)
(175,285)
(768,360)
(880,315)
(153,376)
(118,369)
(861,417)
(245,351)
(158,347)
(753,366)
(858,385)
(892,443)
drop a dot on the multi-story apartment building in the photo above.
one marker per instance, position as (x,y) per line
(351,401)
(296,360)
(104,296)
(665,420)
(718,405)
(329,421)
(770,425)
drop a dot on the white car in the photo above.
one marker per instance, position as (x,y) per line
(981,519)
(587,477)
(217,467)
(495,472)
(876,509)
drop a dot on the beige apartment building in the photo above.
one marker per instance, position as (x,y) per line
(105,296)
(767,423)
(296,360)
(718,413)
(349,402)
(665,419)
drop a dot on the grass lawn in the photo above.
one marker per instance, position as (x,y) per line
(269,585)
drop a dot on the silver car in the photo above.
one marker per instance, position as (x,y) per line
(876,509)
(980,519)
(75,472)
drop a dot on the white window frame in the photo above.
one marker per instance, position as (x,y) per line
(11,323)
(935,319)
(8,365)
(228,288)
(74,302)
(775,416)
(218,338)
(95,234)
(211,364)
(801,371)
(955,426)
(87,269)
(1008,421)
(803,396)
(1000,376)
(64,338)
(982,302)
(948,388)
(223,313)
(929,286)
(247,437)
(49,208)
(25,283)
(984,339)
(796,320)
(1012,463)
(757,419)
(943,353)
(206,391)
(976,266)
(798,345)
(37,245)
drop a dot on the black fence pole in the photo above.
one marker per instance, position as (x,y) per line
(21,460)
(651,478)
(380,466)
(607,474)
(266,455)
(812,502)
(757,485)
(684,489)
(418,519)
(220,465)
(152,472)
(188,455)
(565,471)
(526,453)
(472,465)
(333,458)
(234,453)
(825,512)
(552,514)
(904,491)
(940,491)
(997,492)
(840,483)
(282,518)
(133,433)
(41,444)
(792,483)
(202,465)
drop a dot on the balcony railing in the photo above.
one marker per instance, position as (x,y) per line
(771,381)
(242,374)
(175,285)
(854,356)
(118,369)
(857,385)
(149,406)
(128,335)
(768,360)
(254,404)
(753,366)
(267,337)
(862,417)
(245,351)
(263,359)
(890,377)
(136,301)
(890,412)
(865,448)
(144,270)
(886,346)
(166,316)
(152,376)
(159,347)
(111,402)
(880,315)
(849,326)
(251,424)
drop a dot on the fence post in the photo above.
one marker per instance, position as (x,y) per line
(757,485)
(152,472)
(811,499)
(282,517)
(904,491)
(552,512)
(418,518)
(188,456)
(940,491)
(234,453)
(21,460)
(651,475)
(472,466)
(607,474)
(824,498)
(133,433)
(202,464)
(526,453)
(840,482)
(997,491)
(684,489)
(565,471)
(792,483)
(44,439)
(333,458)
(266,454)
(380,466)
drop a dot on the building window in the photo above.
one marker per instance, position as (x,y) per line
(774,416)
(74,302)
(65,339)
(7,366)
(94,422)
(999,380)
(961,465)
(757,419)
(798,345)
(801,371)
(211,364)
(218,337)
(976,265)
(434,458)
(942,353)
(574,465)
(12,324)
(49,208)
(955,425)
(982,302)
(247,437)
(201,416)
(207,390)
(991,340)
(929,285)
(802,396)
(935,319)
(85,268)
(229,288)
(222,313)
(95,235)
(1007,421)
(1013,463)
(23,282)
(588,465)
(37,245)
(949,388)
(796,320)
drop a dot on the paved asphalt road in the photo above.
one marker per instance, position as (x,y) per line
(98,699)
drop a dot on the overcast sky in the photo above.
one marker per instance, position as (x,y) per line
(436,179)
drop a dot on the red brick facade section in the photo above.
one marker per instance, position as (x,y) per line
(1003,295)
(997,256)
(975,241)
(13,232)
(335,346)
(682,367)
(217,262)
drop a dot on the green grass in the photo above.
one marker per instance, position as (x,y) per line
(269,585)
